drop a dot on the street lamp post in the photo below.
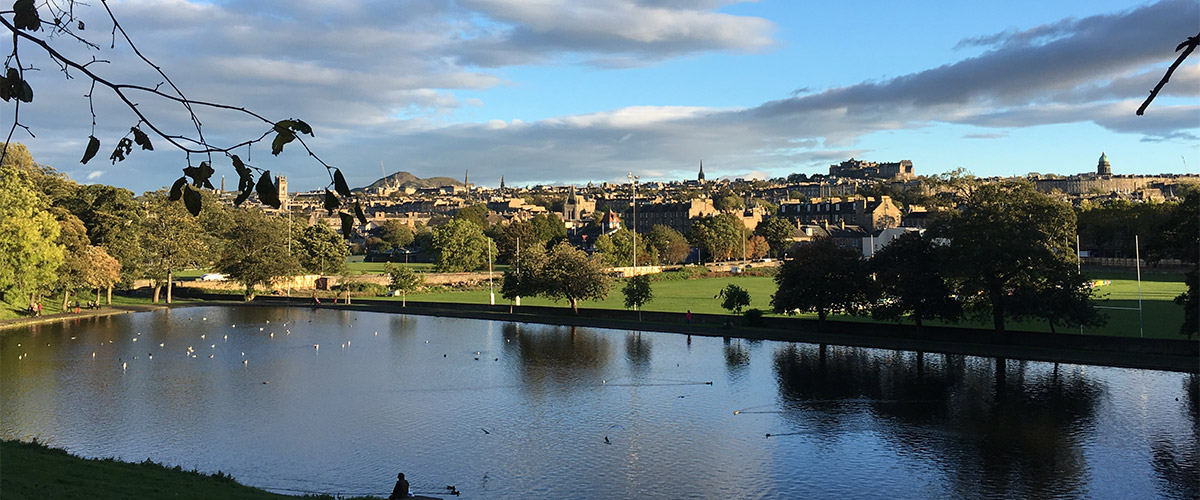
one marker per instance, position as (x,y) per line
(633,182)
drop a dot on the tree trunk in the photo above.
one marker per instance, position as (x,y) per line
(108,301)
(404,298)
(157,290)
(997,296)
(66,299)
(575,305)
(170,283)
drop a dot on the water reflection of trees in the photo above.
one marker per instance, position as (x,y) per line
(558,354)
(1178,468)
(1010,430)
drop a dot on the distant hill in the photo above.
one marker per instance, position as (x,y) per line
(405,179)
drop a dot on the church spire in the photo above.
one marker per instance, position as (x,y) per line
(502,182)
(701,176)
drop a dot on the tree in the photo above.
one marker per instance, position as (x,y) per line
(173,241)
(719,235)
(564,272)
(1182,241)
(320,250)
(476,214)
(605,250)
(459,245)
(50,26)
(390,235)
(1008,240)
(508,236)
(909,281)
(757,247)
(670,245)
(113,219)
(29,248)
(729,202)
(102,272)
(638,293)
(734,298)
(255,251)
(404,279)
(822,277)
(72,273)
(778,233)
(549,228)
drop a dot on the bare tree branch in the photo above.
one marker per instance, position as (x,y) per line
(1187,46)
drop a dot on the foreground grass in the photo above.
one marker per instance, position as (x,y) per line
(34,471)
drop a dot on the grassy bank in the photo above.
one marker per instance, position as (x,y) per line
(34,471)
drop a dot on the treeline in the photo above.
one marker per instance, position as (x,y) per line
(1005,251)
(58,237)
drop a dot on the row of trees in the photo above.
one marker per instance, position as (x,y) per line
(57,237)
(1007,252)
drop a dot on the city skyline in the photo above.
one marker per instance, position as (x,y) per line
(570,92)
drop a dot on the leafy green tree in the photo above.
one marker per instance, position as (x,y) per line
(29,248)
(72,273)
(525,277)
(718,235)
(1181,240)
(1008,240)
(822,277)
(638,293)
(549,228)
(605,250)
(174,240)
(670,245)
(113,219)
(320,250)
(729,202)
(778,233)
(390,235)
(476,214)
(404,279)
(459,245)
(734,298)
(255,251)
(908,275)
(564,272)
(622,254)
(508,236)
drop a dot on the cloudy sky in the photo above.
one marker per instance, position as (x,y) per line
(571,91)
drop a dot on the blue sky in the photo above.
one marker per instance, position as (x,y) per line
(571,91)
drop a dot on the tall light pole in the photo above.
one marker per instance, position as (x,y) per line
(633,182)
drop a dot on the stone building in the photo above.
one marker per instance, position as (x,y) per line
(869,214)
(858,169)
(677,216)
(577,207)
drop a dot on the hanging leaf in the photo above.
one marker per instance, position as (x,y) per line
(177,189)
(7,80)
(200,174)
(358,212)
(339,183)
(331,202)
(245,195)
(191,200)
(293,125)
(26,94)
(268,192)
(347,224)
(281,139)
(141,139)
(124,147)
(93,147)
(25,15)
(238,164)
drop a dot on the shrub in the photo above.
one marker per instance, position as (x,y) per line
(754,317)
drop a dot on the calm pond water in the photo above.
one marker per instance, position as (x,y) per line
(506,410)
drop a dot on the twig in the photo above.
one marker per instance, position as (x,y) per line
(1187,46)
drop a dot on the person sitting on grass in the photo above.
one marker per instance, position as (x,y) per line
(401,489)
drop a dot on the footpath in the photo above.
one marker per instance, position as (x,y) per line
(1155,354)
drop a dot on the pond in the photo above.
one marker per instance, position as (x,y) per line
(299,400)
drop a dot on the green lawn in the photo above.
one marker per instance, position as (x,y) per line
(1161,316)
(35,471)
